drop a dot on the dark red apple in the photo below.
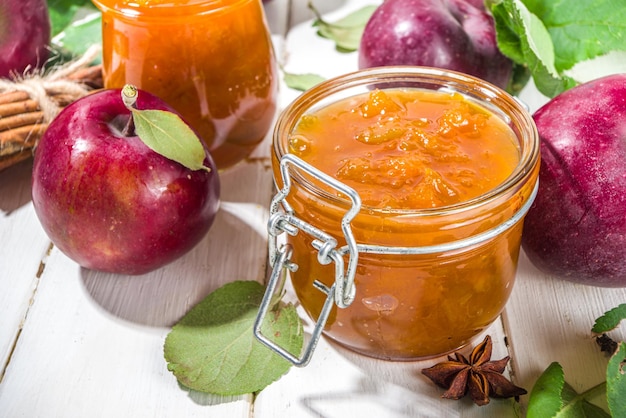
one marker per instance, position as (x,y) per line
(576,228)
(107,200)
(24,35)
(456,35)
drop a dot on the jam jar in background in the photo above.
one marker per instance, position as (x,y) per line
(211,60)
(433,266)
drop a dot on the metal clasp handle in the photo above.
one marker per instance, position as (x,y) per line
(287,221)
(283,262)
(282,219)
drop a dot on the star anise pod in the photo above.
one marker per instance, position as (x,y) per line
(478,375)
(607,344)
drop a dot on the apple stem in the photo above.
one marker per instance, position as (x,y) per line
(129,97)
(129,128)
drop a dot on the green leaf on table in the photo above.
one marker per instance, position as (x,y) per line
(545,399)
(167,134)
(616,382)
(301,82)
(347,31)
(523,37)
(610,319)
(584,409)
(213,349)
(552,396)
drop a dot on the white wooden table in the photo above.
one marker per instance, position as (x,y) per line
(77,343)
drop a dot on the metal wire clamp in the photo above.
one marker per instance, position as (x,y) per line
(282,219)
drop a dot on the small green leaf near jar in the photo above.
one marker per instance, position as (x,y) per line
(213,349)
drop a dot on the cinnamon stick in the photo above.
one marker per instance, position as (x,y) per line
(22,119)
(9,109)
(90,76)
(15,140)
(13,96)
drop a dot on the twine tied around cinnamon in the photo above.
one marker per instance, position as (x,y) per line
(30,102)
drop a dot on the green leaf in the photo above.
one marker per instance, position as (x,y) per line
(76,25)
(553,397)
(80,35)
(586,410)
(64,12)
(612,63)
(546,399)
(213,349)
(581,30)
(301,82)
(167,134)
(610,319)
(520,77)
(616,382)
(552,37)
(523,37)
(347,31)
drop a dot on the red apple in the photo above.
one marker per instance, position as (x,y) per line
(107,200)
(576,228)
(24,35)
(456,35)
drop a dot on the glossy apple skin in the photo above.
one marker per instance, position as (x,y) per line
(451,34)
(576,228)
(24,35)
(108,201)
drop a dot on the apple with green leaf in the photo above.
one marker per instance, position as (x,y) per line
(123,185)
(24,36)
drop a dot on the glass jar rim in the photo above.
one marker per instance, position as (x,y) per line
(483,93)
(164,10)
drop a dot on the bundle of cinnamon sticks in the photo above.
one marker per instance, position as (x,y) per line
(23,120)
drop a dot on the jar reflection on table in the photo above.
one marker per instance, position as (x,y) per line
(211,60)
(410,306)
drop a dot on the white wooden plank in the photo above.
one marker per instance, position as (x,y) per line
(75,359)
(549,319)
(92,344)
(23,246)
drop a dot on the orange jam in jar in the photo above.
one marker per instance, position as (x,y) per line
(445,166)
(211,60)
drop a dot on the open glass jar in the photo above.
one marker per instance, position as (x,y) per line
(398,283)
(211,60)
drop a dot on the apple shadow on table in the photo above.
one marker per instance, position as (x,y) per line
(235,248)
(15,186)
